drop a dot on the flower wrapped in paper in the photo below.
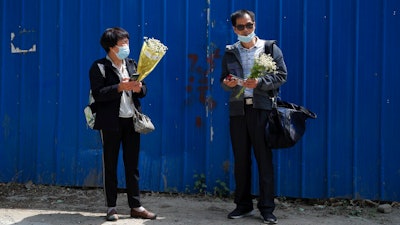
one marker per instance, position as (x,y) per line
(150,55)
(263,64)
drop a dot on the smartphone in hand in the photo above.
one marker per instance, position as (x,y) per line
(134,76)
(233,77)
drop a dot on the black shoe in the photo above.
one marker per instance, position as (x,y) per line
(269,218)
(112,215)
(239,213)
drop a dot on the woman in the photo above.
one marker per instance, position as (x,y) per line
(116,95)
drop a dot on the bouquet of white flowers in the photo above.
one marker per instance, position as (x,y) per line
(263,64)
(150,55)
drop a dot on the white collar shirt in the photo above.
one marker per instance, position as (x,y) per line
(247,57)
(126,108)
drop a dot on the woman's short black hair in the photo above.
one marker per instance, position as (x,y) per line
(111,36)
(240,14)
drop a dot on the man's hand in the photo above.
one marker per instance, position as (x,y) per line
(231,81)
(250,83)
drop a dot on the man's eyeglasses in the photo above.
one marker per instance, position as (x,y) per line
(247,25)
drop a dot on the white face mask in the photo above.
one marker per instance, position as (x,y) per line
(123,52)
(246,39)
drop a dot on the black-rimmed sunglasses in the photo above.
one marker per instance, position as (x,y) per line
(247,25)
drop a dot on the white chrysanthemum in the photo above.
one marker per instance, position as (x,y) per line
(263,64)
(150,55)
(267,62)
(155,45)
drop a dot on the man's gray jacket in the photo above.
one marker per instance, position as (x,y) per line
(265,90)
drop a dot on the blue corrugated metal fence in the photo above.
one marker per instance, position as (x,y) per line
(342,62)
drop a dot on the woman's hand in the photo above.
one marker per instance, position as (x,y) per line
(137,86)
(129,85)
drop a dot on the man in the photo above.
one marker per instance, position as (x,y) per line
(116,97)
(249,112)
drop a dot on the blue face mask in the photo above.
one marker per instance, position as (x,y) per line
(246,39)
(123,52)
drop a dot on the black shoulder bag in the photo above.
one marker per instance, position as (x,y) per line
(286,125)
(287,121)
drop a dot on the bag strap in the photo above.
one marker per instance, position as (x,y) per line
(131,66)
(102,70)
(103,73)
(269,49)
(274,94)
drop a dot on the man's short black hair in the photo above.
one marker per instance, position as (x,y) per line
(111,36)
(240,14)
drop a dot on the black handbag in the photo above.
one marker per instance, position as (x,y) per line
(286,125)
